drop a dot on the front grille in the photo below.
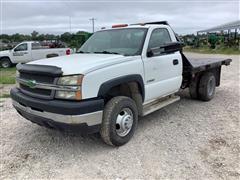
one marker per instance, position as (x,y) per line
(36,92)
(38,78)
(44,92)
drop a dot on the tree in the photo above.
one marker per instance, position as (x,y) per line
(17,37)
(41,37)
(74,40)
(66,37)
(34,35)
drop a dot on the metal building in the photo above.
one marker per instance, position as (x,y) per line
(235,25)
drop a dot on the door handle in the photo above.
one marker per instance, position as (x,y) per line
(175,62)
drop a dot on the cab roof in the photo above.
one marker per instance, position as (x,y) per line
(152,23)
(137,25)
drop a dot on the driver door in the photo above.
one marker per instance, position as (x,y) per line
(163,76)
(21,53)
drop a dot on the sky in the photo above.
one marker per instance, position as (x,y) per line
(56,16)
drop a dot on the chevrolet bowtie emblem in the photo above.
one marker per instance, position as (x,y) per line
(31,83)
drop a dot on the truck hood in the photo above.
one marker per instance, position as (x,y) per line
(3,53)
(82,63)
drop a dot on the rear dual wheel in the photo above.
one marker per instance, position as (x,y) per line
(204,89)
(120,119)
(207,87)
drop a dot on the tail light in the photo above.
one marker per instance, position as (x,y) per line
(68,52)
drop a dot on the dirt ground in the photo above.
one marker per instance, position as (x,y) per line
(186,140)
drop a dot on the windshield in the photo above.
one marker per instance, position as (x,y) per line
(126,42)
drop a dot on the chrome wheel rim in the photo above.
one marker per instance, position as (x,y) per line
(124,122)
(210,87)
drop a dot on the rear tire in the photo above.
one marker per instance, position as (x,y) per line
(5,63)
(120,119)
(207,85)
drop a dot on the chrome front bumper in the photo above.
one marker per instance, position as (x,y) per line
(91,119)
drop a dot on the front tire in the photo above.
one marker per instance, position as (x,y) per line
(5,63)
(120,119)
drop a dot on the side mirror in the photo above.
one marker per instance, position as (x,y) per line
(165,49)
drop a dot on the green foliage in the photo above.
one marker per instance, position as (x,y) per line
(213,39)
(73,40)
(212,43)
(7,76)
(34,35)
(4,96)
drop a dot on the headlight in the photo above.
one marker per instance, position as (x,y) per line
(70,80)
(73,81)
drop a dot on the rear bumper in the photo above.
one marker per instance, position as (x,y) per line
(85,116)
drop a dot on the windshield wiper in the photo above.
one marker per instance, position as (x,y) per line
(105,52)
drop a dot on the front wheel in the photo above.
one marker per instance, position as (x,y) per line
(120,119)
(5,63)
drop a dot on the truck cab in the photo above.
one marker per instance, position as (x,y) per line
(21,53)
(119,74)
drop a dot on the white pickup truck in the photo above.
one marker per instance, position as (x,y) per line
(119,74)
(29,51)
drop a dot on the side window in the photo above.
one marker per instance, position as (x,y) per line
(21,47)
(36,46)
(159,37)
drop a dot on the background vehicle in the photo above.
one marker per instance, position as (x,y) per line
(118,75)
(29,51)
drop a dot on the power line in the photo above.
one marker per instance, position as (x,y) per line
(70,24)
(92,19)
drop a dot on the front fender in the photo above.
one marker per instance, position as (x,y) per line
(96,83)
(1,57)
(106,86)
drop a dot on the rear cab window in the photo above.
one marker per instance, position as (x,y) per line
(36,46)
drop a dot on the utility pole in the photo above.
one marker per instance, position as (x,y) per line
(92,19)
(70,24)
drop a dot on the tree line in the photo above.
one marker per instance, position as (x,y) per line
(73,40)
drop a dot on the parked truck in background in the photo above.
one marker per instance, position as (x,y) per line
(119,74)
(29,51)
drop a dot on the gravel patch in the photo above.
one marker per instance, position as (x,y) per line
(186,140)
(5,88)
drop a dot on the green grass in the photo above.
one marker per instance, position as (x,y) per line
(206,50)
(7,75)
(4,96)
